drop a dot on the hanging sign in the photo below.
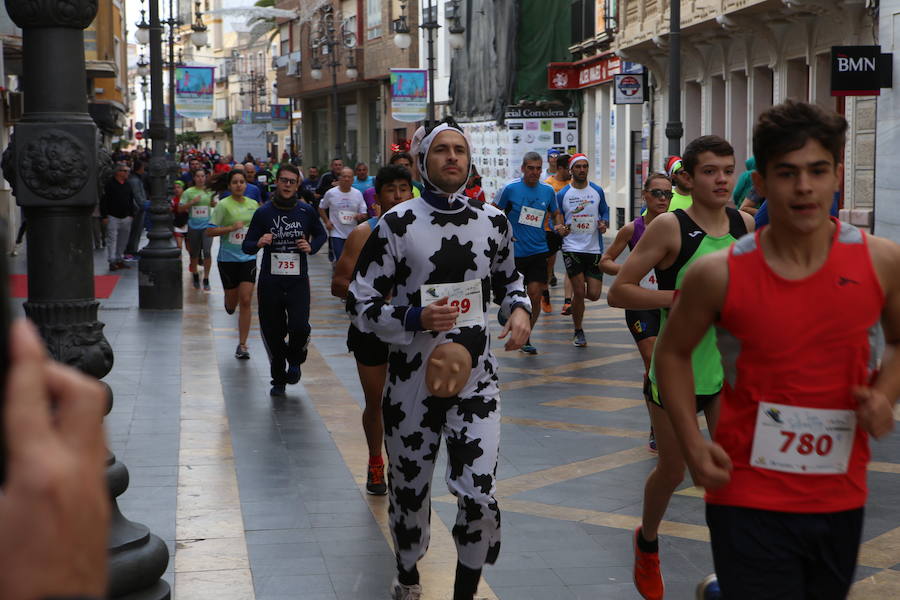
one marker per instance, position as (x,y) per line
(629,89)
(409,95)
(194,90)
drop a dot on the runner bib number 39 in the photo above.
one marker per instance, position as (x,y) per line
(811,441)
(285,263)
(347,217)
(584,223)
(237,236)
(200,212)
(466,296)
(533,217)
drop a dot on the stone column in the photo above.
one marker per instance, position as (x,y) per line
(57,169)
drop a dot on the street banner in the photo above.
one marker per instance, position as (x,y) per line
(194,91)
(249,138)
(280,115)
(409,95)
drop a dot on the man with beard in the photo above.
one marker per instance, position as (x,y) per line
(422,285)
(283,228)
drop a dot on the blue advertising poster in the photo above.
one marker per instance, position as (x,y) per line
(409,94)
(194,89)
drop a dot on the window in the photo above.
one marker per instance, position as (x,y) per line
(373,19)
(285,35)
(582,20)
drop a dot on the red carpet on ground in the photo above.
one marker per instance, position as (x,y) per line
(103,285)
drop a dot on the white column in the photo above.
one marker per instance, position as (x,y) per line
(887,176)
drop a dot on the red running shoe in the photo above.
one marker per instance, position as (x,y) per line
(647,578)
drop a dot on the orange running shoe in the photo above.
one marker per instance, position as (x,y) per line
(647,578)
(375,484)
(545,304)
(566,309)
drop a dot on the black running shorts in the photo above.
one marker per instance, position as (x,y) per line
(768,555)
(366,347)
(533,268)
(582,263)
(643,324)
(703,400)
(233,274)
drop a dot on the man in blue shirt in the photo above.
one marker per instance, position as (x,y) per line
(363,181)
(528,202)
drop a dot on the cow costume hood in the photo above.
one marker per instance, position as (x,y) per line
(421,142)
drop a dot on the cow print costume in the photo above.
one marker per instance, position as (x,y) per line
(430,240)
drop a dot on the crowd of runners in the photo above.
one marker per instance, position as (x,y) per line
(769,331)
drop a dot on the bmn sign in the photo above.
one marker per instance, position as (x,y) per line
(860,70)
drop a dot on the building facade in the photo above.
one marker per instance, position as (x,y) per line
(106,60)
(738,58)
(366,49)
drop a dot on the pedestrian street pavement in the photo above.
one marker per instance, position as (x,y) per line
(264,499)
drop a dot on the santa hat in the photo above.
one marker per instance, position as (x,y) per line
(576,157)
(673,165)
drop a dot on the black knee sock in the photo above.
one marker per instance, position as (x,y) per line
(408,577)
(466,582)
(546,294)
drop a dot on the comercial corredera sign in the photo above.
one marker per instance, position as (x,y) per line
(860,70)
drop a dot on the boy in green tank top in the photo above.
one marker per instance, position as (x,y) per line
(671,243)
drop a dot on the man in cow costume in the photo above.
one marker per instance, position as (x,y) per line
(423,283)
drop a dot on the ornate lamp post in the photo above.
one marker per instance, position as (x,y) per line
(159,282)
(56,172)
(327,40)
(674,128)
(456,39)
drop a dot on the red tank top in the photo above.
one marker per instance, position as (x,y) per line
(799,344)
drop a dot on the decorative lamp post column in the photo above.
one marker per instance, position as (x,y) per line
(159,281)
(56,170)
(674,128)
(328,40)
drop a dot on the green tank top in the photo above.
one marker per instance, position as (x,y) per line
(706,361)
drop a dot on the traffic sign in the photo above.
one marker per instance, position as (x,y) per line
(139,126)
(138,136)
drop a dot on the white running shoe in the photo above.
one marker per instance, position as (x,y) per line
(405,592)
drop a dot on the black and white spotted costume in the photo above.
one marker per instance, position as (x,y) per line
(432,240)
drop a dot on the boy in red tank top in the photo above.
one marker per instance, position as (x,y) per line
(797,307)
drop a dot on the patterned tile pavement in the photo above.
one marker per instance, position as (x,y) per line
(264,499)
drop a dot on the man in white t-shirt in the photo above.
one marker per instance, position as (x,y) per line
(342,209)
(586,215)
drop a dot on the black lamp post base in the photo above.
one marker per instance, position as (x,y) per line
(159,282)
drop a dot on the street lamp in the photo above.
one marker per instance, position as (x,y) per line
(326,39)
(160,265)
(143,67)
(456,39)
(199,36)
(142,35)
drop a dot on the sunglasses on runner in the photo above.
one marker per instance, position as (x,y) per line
(287,180)
(658,194)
